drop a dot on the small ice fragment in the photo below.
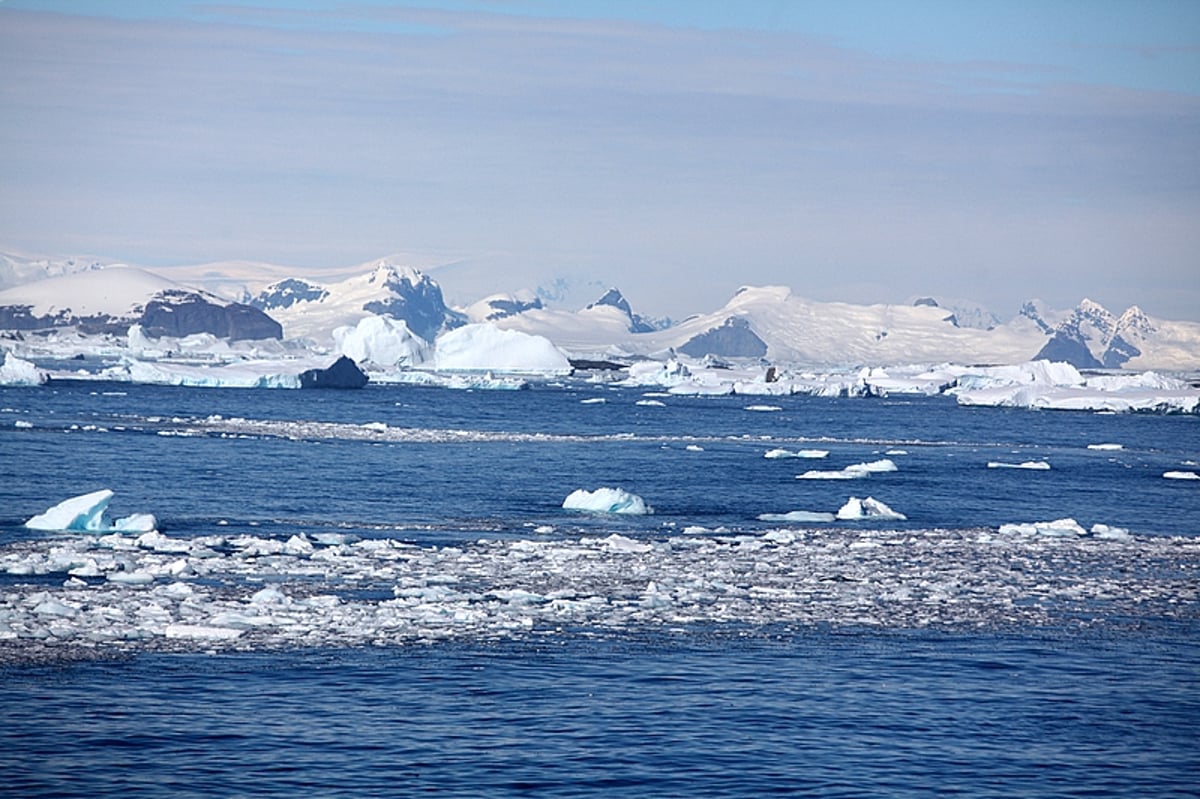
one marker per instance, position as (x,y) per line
(650,403)
(593,401)
(694,448)
(201,631)
(1174,475)
(766,408)
(136,523)
(1105,446)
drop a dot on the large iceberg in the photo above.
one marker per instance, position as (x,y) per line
(85,513)
(607,500)
(381,341)
(485,347)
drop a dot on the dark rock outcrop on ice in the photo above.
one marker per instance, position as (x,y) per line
(183,313)
(733,339)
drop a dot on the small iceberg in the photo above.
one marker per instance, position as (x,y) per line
(85,513)
(1181,475)
(1032,465)
(869,508)
(607,500)
(1106,447)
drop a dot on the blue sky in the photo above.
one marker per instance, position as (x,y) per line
(860,151)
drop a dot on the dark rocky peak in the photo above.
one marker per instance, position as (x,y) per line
(287,293)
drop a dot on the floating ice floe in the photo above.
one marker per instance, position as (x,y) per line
(1181,475)
(869,508)
(85,513)
(800,453)
(607,500)
(1030,465)
(853,472)
(1062,527)
(764,408)
(1106,447)
(799,516)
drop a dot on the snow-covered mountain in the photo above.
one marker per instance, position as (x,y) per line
(307,309)
(769,323)
(110,299)
(17,270)
(1091,337)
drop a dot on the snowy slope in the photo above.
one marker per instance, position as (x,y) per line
(16,270)
(110,299)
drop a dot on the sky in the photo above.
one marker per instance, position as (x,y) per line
(863,151)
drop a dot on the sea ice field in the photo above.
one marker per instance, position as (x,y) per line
(567,591)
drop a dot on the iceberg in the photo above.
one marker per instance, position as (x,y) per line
(85,513)
(485,347)
(869,508)
(381,341)
(607,500)
(1181,475)
(1060,386)
(19,372)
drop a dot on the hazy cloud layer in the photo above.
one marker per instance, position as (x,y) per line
(677,164)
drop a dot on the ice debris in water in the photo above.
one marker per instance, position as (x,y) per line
(85,513)
(853,472)
(869,508)
(1179,475)
(247,592)
(607,500)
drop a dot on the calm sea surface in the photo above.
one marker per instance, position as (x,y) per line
(379,593)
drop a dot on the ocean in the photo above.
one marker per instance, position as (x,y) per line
(379,592)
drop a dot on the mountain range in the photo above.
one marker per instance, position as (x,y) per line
(768,323)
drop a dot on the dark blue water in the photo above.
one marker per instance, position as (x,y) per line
(866,658)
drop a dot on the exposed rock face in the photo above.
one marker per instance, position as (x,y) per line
(180,313)
(287,293)
(1091,337)
(342,373)
(503,307)
(169,313)
(416,299)
(733,339)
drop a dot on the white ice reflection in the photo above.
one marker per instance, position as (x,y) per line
(73,594)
